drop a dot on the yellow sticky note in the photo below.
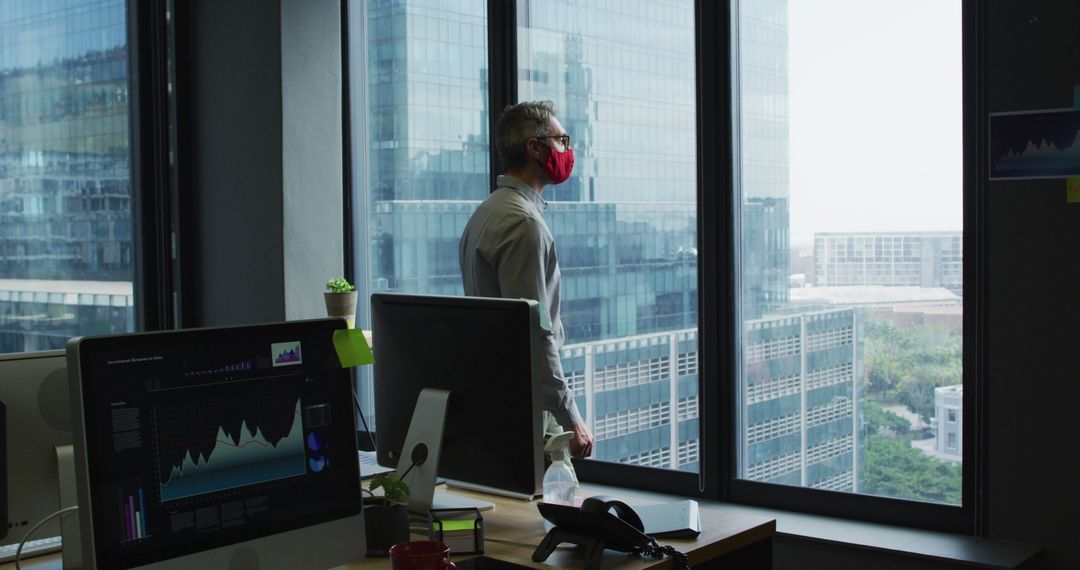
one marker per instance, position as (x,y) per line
(352,348)
(1073,194)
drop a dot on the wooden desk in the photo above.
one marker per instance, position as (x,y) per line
(514,529)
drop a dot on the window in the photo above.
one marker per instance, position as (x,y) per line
(952,415)
(66,257)
(624,224)
(849,193)
(623,79)
(420,146)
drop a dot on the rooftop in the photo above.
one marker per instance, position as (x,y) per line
(66,287)
(874,296)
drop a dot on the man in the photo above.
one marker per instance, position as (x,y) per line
(507,250)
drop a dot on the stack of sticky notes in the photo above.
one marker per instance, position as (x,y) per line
(460,529)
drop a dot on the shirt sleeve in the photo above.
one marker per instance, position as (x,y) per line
(522,273)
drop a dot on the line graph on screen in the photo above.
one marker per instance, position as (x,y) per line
(209,445)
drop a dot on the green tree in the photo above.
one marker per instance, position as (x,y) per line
(878,420)
(884,346)
(892,468)
(905,365)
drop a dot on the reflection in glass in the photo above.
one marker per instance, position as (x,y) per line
(419,100)
(621,75)
(65,189)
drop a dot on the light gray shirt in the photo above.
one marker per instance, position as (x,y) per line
(507,251)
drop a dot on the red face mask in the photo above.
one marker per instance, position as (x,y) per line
(559,165)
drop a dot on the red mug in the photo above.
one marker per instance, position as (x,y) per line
(420,555)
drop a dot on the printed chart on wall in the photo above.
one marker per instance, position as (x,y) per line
(1035,144)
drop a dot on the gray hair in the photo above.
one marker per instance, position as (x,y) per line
(517,124)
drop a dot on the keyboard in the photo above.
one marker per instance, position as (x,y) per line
(369,465)
(32,548)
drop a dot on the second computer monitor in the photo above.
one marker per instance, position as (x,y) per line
(480,350)
(34,388)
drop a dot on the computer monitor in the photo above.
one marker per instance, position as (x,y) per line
(480,350)
(34,389)
(219,448)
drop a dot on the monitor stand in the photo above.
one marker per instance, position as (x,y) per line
(71,541)
(418,465)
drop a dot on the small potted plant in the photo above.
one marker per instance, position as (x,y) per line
(340,299)
(386,518)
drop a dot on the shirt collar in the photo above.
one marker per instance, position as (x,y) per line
(504,181)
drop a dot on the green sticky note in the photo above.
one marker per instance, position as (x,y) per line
(451,526)
(1072,192)
(352,348)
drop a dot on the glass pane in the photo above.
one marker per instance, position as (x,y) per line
(621,75)
(849,132)
(421,162)
(65,189)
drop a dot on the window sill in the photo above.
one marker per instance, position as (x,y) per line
(980,552)
(956,548)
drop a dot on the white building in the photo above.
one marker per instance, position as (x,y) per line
(913,259)
(949,420)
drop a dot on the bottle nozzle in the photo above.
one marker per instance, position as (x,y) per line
(559,445)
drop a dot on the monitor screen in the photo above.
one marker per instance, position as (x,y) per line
(481,351)
(204,438)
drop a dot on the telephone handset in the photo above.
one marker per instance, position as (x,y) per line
(601,522)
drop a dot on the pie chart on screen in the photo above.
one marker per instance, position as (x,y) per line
(316,441)
(317,464)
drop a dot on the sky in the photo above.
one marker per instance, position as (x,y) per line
(875,104)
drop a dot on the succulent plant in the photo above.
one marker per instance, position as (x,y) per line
(339,285)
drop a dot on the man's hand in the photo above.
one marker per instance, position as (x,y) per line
(581,445)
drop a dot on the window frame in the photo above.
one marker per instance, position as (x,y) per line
(969,517)
(151,196)
(718,286)
(152,132)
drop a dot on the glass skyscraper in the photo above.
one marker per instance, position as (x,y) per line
(799,371)
(763,168)
(65,191)
(622,76)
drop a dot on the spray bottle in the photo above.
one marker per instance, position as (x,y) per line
(560,481)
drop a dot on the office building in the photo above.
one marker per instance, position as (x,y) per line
(948,420)
(799,405)
(764,168)
(66,258)
(41,314)
(641,393)
(894,259)
(801,365)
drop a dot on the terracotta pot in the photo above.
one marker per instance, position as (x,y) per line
(341,305)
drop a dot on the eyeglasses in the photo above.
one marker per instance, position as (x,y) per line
(563,139)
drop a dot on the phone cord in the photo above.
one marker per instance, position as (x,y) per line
(654,550)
